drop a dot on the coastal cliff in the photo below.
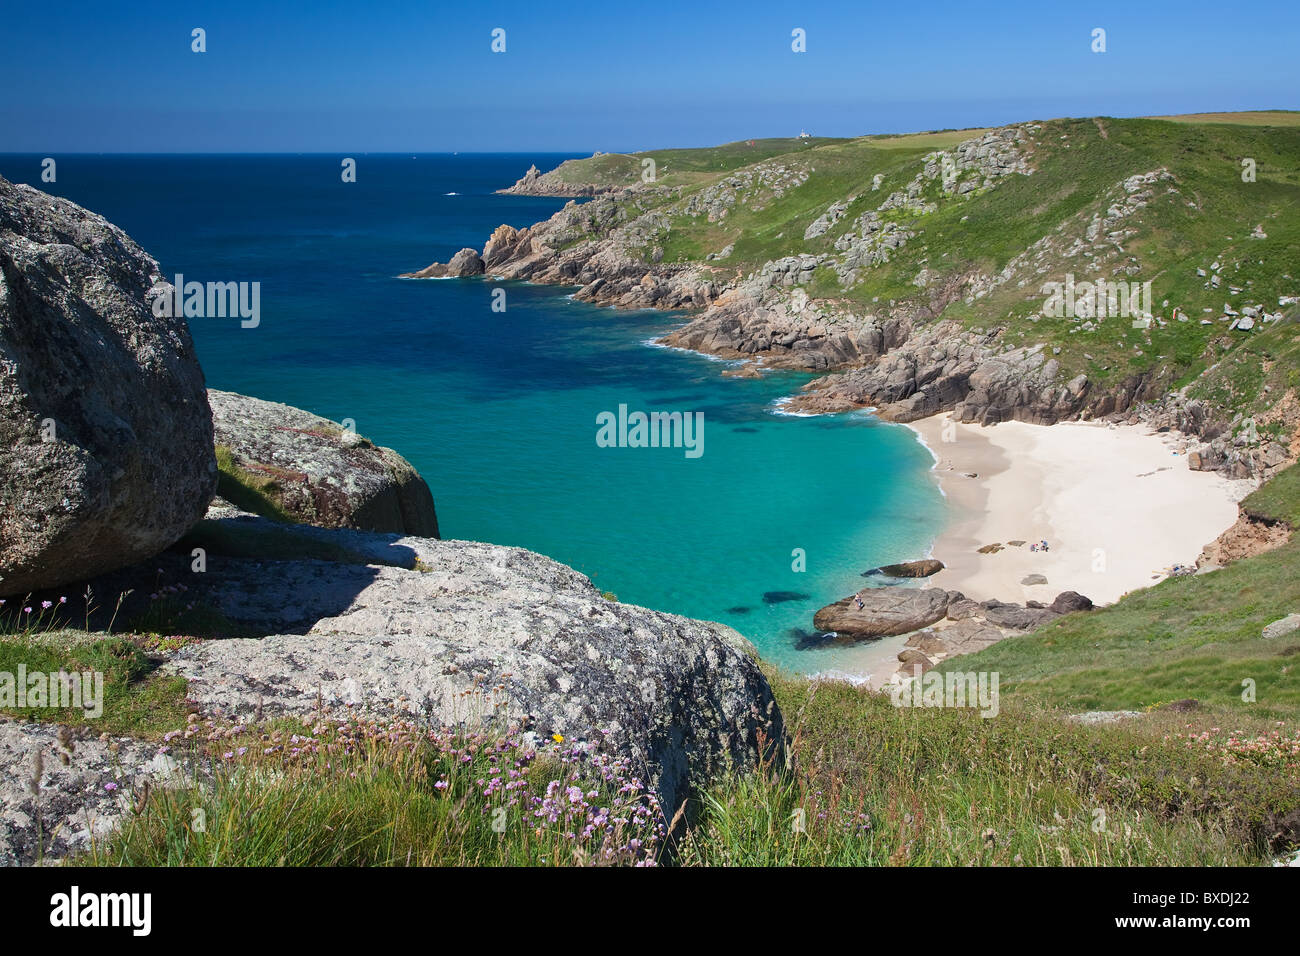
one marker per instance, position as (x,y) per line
(916,272)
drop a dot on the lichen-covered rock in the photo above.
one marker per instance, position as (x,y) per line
(477,634)
(313,470)
(105,435)
(50,809)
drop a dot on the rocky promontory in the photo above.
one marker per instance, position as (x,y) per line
(889,290)
(940,623)
(536,183)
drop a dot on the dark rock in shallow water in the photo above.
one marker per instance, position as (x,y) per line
(780,597)
(105,434)
(908,569)
(813,640)
(738,609)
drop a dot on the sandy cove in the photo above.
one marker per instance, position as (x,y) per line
(1117,505)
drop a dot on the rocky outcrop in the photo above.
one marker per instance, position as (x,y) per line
(536,183)
(105,434)
(1230,445)
(945,366)
(474,635)
(1016,617)
(942,623)
(878,612)
(1067,602)
(1249,535)
(787,329)
(611,254)
(463,264)
(908,569)
(284,461)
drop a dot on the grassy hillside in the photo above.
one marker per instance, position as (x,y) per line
(1207,241)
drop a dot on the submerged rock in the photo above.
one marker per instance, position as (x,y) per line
(105,434)
(781,597)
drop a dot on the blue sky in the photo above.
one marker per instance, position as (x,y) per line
(328,76)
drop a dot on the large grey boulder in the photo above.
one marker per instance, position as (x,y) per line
(884,611)
(471,635)
(1282,627)
(105,435)
(276,458)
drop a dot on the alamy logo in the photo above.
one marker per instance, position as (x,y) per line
(651,430)
(83,690)
(1096,300)
(957,689)
(212,300)
(134,910)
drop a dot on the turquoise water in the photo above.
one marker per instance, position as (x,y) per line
(498,409)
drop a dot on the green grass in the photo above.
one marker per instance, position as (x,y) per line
(257,493)
(136,701)
(873,784)
(865,783)
(364,793)
(1194,636)
(1278,499)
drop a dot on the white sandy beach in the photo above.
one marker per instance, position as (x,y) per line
(1117,505)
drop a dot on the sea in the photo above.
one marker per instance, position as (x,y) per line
(498,409)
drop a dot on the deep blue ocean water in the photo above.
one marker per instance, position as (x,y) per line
(498,410)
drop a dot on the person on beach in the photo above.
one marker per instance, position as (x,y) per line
(859,602)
